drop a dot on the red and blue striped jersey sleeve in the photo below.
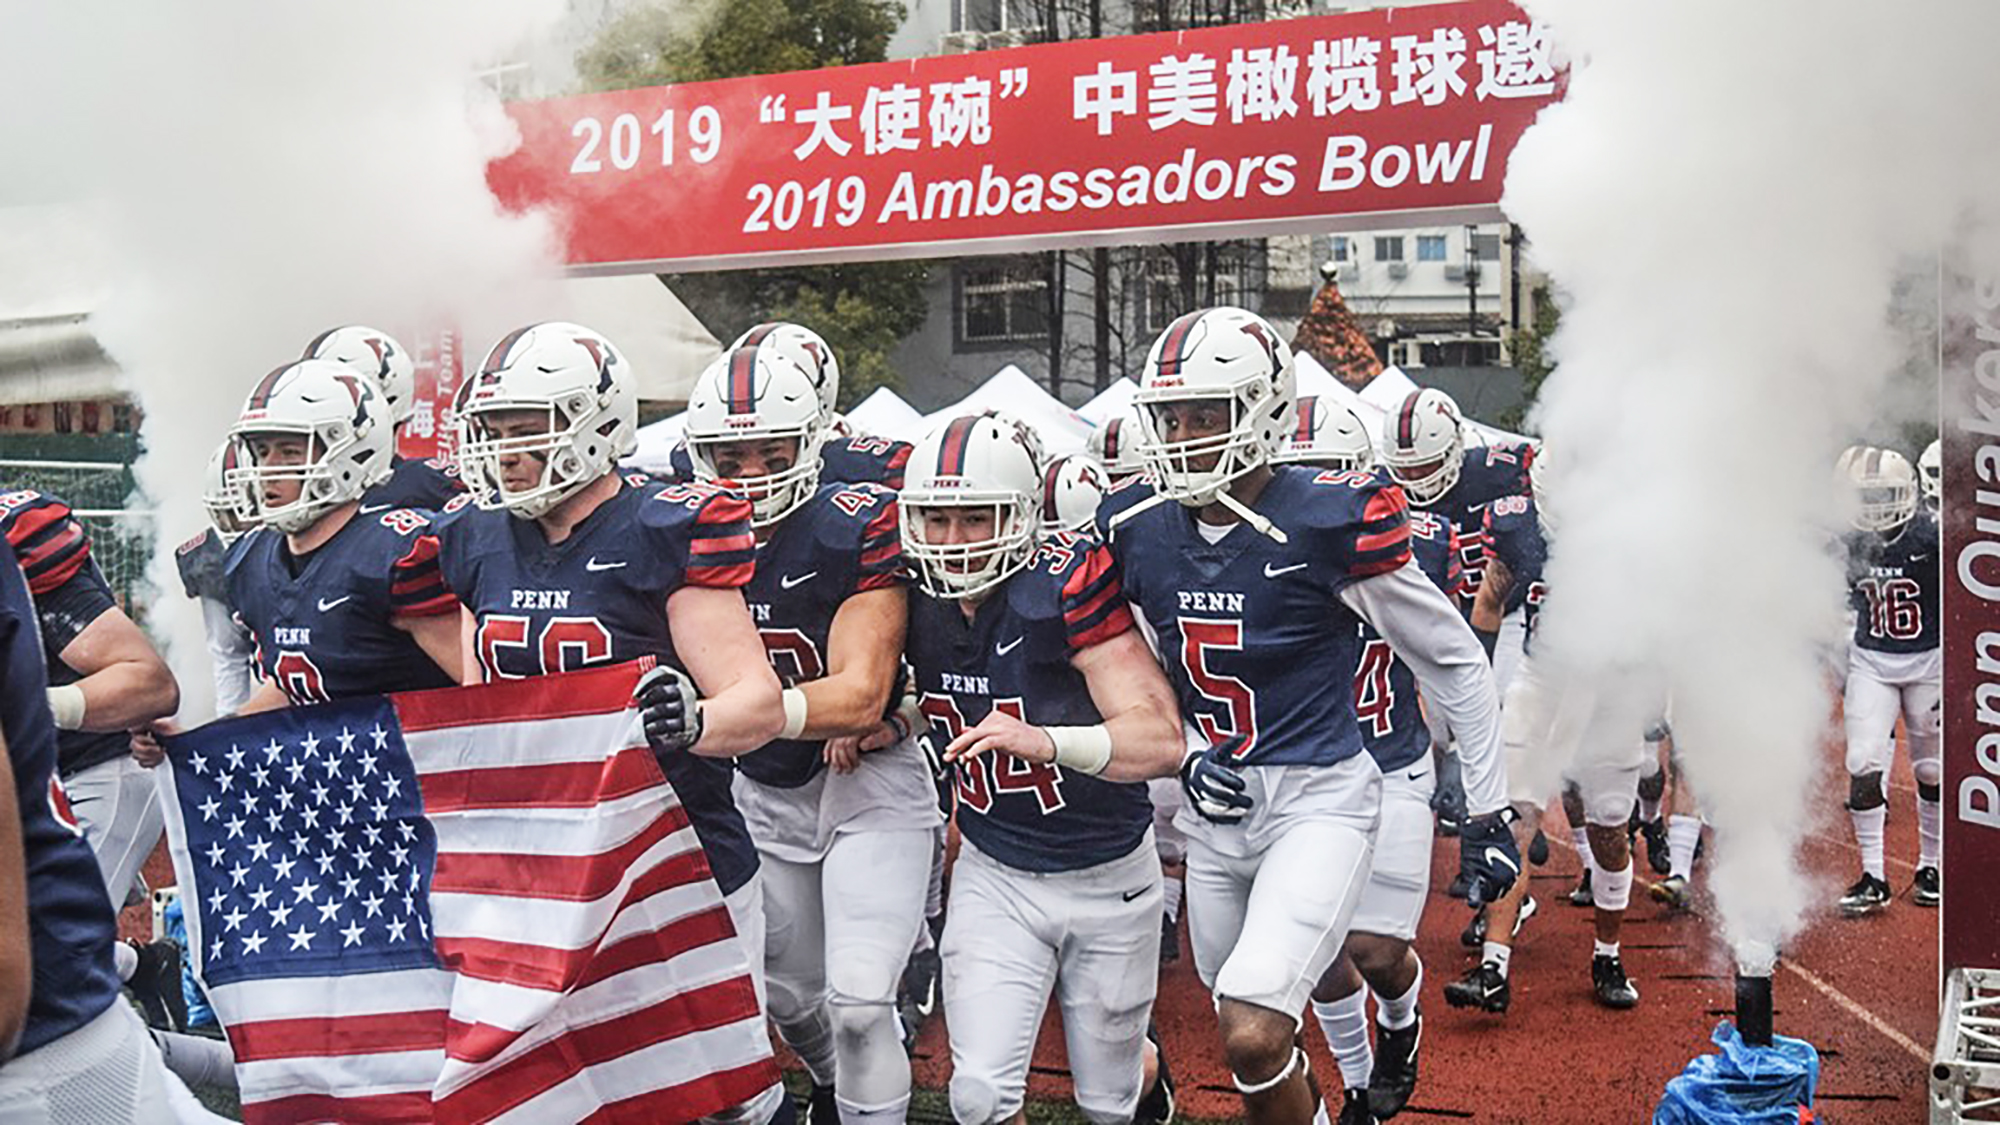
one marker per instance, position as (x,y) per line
(416,583)
(881,563)
(1093,599)
(1381,537)
(50,543)
(722,550)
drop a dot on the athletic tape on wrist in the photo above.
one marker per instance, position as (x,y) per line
(795,713)
(66,702)
(1084,749)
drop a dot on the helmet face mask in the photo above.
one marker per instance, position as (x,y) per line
(230,509)
(575,380)
(982,464)
(1221,357)
(749,400)
(1884,485)
(315,425)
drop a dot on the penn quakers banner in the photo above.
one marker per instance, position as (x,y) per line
(1391,117)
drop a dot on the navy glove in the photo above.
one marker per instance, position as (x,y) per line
(1448,800)
(933,748)
(1488,858)
(1214,789)
(670,707)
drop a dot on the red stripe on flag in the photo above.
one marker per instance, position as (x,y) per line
(568,878)
(262,1040)
(566,785)
(379,1109)
(551,969)
(594,691)
(722,1089)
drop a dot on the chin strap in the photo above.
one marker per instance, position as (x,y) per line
(1243,511)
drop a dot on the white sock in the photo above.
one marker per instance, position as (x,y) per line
(1930,832)
(1868,834)
(1319,1114)
(1497,955)
(1170,901)
(889,1113)
(125,959)
(1581,838)
(1683,836)
(1345,1024)
(1398,1012)
(1604,948)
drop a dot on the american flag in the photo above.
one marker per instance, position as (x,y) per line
(478,904)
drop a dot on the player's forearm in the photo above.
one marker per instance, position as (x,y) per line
(845,703)
(741,717)
(1145,744)
(130,693)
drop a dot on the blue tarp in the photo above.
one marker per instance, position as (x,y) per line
(1744,1085)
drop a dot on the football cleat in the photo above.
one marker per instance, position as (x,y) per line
(917,998)
(1657,855)
(1672,892)
(1474,934)
(1866,896)
(1538,849)
(1170,939)
(1156,1106)
(1580,894)
(821,1109)
(156,985)
(1457,887)
(1927,888)
(1607,980)
(1354,1109)
(1394,1078)
(1484,987)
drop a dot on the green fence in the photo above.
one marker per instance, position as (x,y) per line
(107,504)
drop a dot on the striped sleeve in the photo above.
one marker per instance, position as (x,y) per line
(1381,538)
(50,543)
(881,565)
(896,465)
(1454,568)
(722,551)
(416,583)
(1093,600)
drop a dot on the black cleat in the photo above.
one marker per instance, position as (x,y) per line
(1672,892)
(1657,855)
(917,997)
(1394,1078)
(156,985)
(1538,849)
(1607,979)
(1484,988)
(1926,888)
(1867,896)
(1170,939)
(821,1109)
(1580,895)
(1457,887)
(1354,1109)
(1156,1106)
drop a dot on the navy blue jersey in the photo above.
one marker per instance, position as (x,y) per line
(70,922)
(1894,584)
(1251,630)
(200,561)
(322,624)
(1014,654)
(69,593)
(600,597)
(427,485)
(1487,473)
(861,460)
(1385,690)
(1513,532)
(843,541)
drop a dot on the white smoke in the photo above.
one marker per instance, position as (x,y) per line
(262,172)
(1726,197)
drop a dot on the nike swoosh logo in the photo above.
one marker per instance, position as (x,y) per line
(1497,857)
(1128,896)
(1418,776)
(325,605)
(1010,646)
(1272,572)
(786,582)
(371,509)
(591,564)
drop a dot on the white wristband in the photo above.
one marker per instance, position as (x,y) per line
(1083,749)
(67,703)
(795,713)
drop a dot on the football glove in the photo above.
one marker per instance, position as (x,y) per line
(1448,800)
(927,740)
(670,707)
(1488,858)
(1215,790)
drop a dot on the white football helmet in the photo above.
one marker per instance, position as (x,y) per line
(1231,356)
(1884,484)
(1115,444)
(584,386)
(229,509)
(1930,472)
(807,350)
(1072,487)
(346,424)
(1538,488)
(758,393)
(377,355)
(1328,435)
(1425,449)
(975,460)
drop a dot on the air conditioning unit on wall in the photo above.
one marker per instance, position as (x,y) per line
(1399,270)
(1408,353)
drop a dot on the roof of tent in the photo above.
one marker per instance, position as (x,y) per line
(886,414)
(1063,430)
(1110,402)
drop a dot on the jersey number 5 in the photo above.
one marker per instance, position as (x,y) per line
(1199,638)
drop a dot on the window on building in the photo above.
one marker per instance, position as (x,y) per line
(1003,300)
(1339,249)
(1430,248)
(121,418)
(1486,247)
(1389,249)
(978,15)
(65,415)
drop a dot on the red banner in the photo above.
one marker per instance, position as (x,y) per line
(429,431)
(1970,930)
(1401,116)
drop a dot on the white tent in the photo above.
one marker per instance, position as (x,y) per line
(1387,391)
(656,445)
(885,414)
(1063,430)
(666,345)
(1110,402)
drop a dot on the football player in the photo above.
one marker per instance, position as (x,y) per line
(1329,437)
(845,853)
(201,560)
(104,678)
(1602,769)
(1073,485)
(428,484)
(1255,580)
(1051,712)
(1930,474)
(564,563)
(1896,666)
(1115,446)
